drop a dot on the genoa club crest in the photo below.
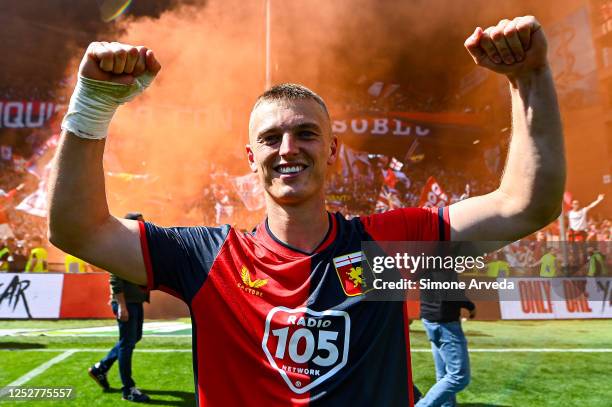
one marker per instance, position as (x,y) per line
(351,274)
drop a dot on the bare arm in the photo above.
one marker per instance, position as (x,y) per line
(531,189)
(79,220)
(596,202)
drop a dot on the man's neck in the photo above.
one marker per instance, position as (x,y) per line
(303,227)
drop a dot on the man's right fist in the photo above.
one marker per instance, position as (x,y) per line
(512,47)
(110,75)
(119,63)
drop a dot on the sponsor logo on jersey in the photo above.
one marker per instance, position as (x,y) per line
(351,274)
(306,347)
(249,285)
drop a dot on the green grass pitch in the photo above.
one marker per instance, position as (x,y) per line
(519,378)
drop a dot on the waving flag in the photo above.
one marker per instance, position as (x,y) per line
(389,178)
(250,191)
(433,195)
(36,203)
(567,201)
(388,199)
(395,164)
(42,155)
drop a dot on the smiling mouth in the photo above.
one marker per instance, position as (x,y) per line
(290,168)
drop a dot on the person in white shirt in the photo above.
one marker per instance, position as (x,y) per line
(578,226)
(577,217)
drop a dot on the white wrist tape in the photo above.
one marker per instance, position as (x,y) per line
(94,102)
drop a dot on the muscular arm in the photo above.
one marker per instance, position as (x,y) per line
(79,220)
(531,189)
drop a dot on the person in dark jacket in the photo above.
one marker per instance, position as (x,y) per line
(440,313)
(127,300)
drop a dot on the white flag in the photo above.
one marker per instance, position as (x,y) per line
(36,203)
(250,191)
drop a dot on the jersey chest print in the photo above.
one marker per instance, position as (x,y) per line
(296,322)
(306,347)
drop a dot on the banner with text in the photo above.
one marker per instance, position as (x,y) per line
(392,133)
(18,114)
(557,298)
(27,295)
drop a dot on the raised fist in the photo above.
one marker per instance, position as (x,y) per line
(119,63)
(512,47)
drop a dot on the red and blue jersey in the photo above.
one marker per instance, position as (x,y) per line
(275,326)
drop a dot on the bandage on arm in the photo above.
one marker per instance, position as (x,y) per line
(94,103)
(80,222)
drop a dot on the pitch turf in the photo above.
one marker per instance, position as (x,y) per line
(518,378)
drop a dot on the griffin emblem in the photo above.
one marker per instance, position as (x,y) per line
(355,276)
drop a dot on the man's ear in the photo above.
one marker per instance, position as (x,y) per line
(251,158)
(333,151)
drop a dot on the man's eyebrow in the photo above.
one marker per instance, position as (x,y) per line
(301,126)
(308,125)
(268,131)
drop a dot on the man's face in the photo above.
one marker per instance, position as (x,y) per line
(291,147)
(575,205)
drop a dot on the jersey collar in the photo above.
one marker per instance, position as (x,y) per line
(265,235)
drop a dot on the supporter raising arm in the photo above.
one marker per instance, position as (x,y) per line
(529,196)
(79,219)
(596,202)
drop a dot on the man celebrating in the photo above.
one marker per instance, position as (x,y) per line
(577,217)
(277,317)
(578,226)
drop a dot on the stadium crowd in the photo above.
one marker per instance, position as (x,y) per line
(354,190)
(363,183)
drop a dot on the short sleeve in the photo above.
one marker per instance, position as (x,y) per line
(178,259)
(410,224)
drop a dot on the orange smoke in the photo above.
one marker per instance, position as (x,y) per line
(195,115)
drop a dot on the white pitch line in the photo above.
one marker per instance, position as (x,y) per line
(415,350)
(40,369)
(95,350)
(65,335)
(533,350)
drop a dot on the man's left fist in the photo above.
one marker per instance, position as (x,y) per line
(512,47)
